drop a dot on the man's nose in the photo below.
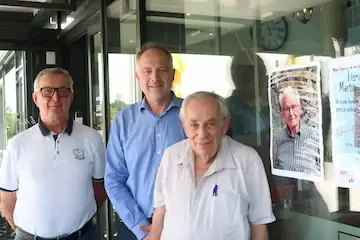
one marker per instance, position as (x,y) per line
(155,75)
(56,96)
(203,132)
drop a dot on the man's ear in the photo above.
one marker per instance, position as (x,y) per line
(35,98)
(72,97)
(173,73)
(227,122)
(137,76)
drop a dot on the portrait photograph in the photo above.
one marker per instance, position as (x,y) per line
(296,144)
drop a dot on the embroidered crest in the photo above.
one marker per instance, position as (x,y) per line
(79,154)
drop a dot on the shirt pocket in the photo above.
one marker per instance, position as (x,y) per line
(229,208)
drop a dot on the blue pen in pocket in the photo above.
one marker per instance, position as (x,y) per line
(215,190)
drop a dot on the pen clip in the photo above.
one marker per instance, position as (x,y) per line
(215,190)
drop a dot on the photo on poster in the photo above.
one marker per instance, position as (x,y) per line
(344,78)
(296,146)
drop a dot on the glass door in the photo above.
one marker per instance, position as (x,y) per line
(97,118)
(20,90)
(12,108)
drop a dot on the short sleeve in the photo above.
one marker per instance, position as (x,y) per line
(260,209)
(99,159)
(159,183)
(9,177)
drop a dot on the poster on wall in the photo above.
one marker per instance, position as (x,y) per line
(296,146)
(344,78)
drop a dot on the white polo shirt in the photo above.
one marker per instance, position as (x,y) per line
(233,194)
(53,179)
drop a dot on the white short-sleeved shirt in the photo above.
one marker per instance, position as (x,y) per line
(241,197)
(53,179)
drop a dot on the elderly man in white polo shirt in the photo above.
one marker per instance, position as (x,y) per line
(209,186)
(51,178)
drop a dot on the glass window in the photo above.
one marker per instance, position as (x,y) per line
(2,108)
(97,83)
(232,47)
(10,100)
(123,89)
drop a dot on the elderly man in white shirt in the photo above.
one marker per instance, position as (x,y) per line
(209,186)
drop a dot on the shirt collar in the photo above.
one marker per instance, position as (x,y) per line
(175,102)
(45,131)
(223,160)
(289,133)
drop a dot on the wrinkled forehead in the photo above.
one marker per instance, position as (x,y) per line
(202,110)
(290,100)
(53,80)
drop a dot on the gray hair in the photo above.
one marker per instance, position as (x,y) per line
(224,110)
(289,92)
(152,45)
(51,71)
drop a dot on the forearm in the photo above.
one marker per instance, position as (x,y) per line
(126,206)
(99,194)
(158,223)
(259,232)
(8,206)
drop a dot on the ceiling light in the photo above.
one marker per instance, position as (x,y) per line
(131,41)
(304,15)
(267,14)
(193,34)
(211,34)
(188,14)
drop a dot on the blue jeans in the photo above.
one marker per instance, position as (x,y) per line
(92,234)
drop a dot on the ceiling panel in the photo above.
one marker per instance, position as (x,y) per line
(15,9)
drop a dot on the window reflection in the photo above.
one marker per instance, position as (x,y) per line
(237,69)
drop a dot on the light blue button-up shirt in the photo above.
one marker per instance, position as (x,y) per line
(137,141)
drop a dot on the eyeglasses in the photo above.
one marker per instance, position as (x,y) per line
(49,92)
(292,107)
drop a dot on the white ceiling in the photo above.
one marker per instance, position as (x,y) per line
(20,9)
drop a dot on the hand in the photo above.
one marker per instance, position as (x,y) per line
(146,228)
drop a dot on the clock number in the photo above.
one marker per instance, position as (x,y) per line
(281,29)
(279,36)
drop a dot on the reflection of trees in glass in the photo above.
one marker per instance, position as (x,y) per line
(10,123)
(116,107)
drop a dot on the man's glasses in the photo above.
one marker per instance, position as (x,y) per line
(292,107)
(49,92)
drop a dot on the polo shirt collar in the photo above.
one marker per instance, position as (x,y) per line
(175,102)
(45,131)
(223,159)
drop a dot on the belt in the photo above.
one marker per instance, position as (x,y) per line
(73,236)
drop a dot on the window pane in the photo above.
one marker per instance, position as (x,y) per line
(231,47)
(123,89)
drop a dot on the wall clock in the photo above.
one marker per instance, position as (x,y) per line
(274,34)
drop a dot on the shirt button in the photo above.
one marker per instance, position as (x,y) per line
(158,134)
(57,152)
(158,152)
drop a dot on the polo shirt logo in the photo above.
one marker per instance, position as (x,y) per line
(79,154)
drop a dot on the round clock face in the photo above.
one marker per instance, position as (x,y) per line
(274,34)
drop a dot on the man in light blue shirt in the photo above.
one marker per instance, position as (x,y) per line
(139,135)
